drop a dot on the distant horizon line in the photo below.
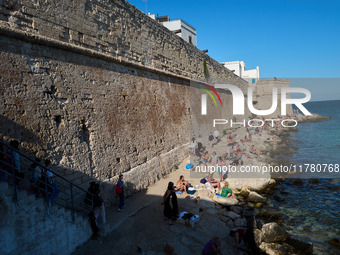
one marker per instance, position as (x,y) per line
(322,100)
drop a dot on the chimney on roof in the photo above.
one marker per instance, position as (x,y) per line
(163,18)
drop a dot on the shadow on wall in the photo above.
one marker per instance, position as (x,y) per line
(30,145)
(9,129)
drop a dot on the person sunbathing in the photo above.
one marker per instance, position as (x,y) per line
(225,156)
(253,150)
(231,138)
(214,183)
(204,158)
(231,153)
(197,161)
(182,185)
(247,154)
(238,148)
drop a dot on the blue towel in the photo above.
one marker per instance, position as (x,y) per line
(179,192)
(189,166)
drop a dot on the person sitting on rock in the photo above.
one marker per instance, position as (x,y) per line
(212,247)
(214,183)
(182,185)
(238,234)
(248,238)
(227,192)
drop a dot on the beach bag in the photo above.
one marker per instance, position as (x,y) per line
(118,189)
(188,216)
(203,181)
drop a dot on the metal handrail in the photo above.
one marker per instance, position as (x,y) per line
(70,200)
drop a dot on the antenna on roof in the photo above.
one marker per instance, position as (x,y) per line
(146,6)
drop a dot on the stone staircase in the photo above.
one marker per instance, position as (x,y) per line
(29,226)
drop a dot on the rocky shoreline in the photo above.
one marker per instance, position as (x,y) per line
(267,223)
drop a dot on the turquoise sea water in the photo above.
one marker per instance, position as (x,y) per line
(319,142)
(312,208)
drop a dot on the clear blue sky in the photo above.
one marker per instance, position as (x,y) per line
(285,38)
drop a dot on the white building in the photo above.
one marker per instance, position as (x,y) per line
(239,68)
(179,27)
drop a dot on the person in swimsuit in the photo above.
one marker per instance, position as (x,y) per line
(182,185)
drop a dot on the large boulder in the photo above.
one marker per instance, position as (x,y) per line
(255,197)
(258,236)
(244,192)
(232,215)
(273,233)
(237,209)
(300,247)
(226,201)
(275,248)
(257,183)
(206,203)
(240,222)
(211,211)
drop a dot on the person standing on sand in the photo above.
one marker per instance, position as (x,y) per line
(217,136)
(211,139)
(193,146)
(99,208)
(121,195)
(170,212)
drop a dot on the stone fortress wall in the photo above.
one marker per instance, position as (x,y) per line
(100,88)
(263,95)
